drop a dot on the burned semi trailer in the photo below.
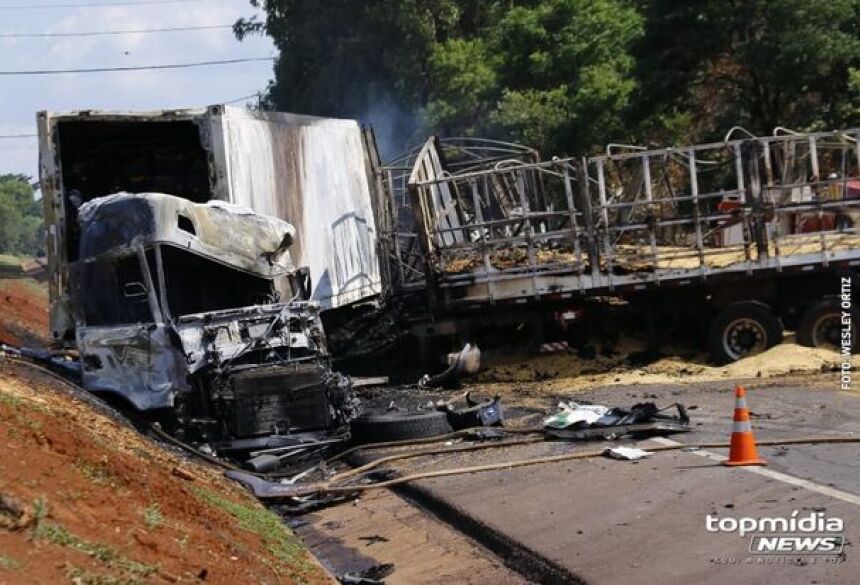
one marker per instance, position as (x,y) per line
(315,173)
(726,243)
(194,311)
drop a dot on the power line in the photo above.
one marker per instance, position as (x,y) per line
(135,68)
(111,32)
(92,4)
(16,136)
(243,98)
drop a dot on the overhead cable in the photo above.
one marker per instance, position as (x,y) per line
(134,67)
(98,33)
(91,4)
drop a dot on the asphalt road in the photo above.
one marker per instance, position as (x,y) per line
(603,521)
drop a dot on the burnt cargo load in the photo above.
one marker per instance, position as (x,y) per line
(177,312)
(314,173)
(732,240)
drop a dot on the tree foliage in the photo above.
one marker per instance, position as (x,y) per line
(754,63)
(568,76)
(21,224)
(555,73)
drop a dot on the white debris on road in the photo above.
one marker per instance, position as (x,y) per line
(571,413)
(628,453)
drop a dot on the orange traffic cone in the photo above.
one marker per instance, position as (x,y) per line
(743,451)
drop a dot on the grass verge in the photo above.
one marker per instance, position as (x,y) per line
(8,563)
(131,571)
(287,550)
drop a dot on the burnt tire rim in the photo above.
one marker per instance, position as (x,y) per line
(744,337)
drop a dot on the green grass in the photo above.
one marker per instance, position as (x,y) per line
(9,400)
(141,453)
(18,403)
(80,576)
(10,269)
(40,510)
(282,544)
(98,473)
(9,264)
(56,534)
(8,563)
(183,541)
(152,516)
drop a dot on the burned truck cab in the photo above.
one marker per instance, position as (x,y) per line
(195,313)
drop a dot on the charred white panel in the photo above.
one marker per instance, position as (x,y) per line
(310,172)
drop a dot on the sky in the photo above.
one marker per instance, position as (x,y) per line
(22,96)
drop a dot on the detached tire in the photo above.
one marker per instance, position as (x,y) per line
(741,330)
(821,326)
(398,426)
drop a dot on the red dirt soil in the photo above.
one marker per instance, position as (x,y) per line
(105,484)
(23,306)
(85,499)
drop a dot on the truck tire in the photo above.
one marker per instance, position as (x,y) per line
(398,426)
(742,329)
(821,325)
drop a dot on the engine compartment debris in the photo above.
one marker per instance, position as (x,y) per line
(488,413)
(464,363)
(589,421)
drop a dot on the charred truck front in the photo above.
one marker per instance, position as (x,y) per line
(189,305)
(195,313)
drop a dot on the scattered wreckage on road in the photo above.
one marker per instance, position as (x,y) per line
(482,430)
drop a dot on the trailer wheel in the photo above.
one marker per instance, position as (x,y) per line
(743,329)
(821,326)
(398,426)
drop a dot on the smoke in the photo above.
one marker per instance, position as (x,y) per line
(396,126)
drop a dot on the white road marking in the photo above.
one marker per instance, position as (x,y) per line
(777,475)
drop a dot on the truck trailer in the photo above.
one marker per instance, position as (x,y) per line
(731,241)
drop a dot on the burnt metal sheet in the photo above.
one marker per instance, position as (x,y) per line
(227,333)
(137,362)
(311,172)
(220,231)
(438,201)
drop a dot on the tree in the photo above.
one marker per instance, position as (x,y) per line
(567,76)
(21,224)
(534,71)
(568,72)
(755,63)
(354,58)
(464,85)
(555,74)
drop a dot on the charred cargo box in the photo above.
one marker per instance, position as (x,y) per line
(312,172)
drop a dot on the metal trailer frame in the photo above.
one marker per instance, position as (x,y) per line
(399,249)
(632,219)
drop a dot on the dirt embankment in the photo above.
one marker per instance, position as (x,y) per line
(23,305)
(86,500)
